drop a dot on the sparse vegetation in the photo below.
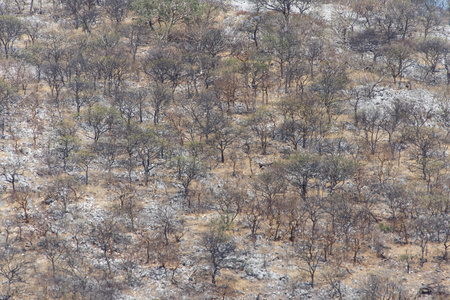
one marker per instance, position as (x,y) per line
(240,149)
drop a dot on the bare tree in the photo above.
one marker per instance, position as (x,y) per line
(106,235)
(285,7)
(53,247)
(14,266)
(97,120)
(160,96)
(12,170)
(433,51)
(169,223)
(382,287)
(23,198)
(263,124)
(64,190)
(372,121)
(309,253)
(188,169)
(430,15)
(219,246)
(224,137)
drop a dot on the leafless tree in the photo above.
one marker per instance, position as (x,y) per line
(219,246)
(12,170)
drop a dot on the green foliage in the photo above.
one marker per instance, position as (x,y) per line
(5,90)
(404,257)
(384,228)
(166,13)
(337,169)
(10,31)
(100,119)
(331,82)
(222,225)
(302,167)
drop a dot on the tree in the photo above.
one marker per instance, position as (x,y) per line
(108,149)
(263,124)
(367,40)
(258,71)
(14,265)
(7,97)
(397,58)
(337,169)
(423,226)
(372,120)
(205,113)
(330,83)
(166,13)
(11,29)
(66,140)
(130,106)
(53,247)
(23,198)
(165,65)
(136,35)
(170,223)
(302,119)
(128,144)
(188,169)
(396,115)
(227,84)
(219,246)
(430,14)
(301,168)
(106,235)
(224,137)
(77,69)
(382,287)
(285,48)
(84,158)
(63,189)
(160,96)
(284,7)
(396,198)
(394,18)
(131,208)
(230,200)
(83,12)
(433,51)
(55,62)
(107,62)
(271,187)
(117,9)
(427,141)
(310,254)
(148,148)
(404,13)
(33,28)
(12,170)
(100,120)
